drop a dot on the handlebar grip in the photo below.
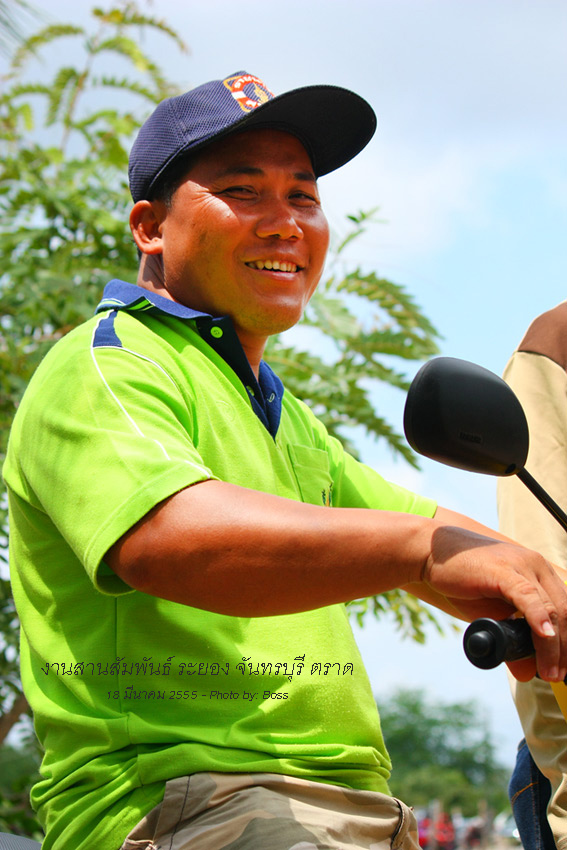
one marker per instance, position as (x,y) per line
(487,643)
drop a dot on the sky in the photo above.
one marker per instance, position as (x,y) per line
(469,170)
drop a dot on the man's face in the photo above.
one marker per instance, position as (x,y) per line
(245,234)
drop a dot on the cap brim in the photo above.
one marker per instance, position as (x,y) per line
(333,124)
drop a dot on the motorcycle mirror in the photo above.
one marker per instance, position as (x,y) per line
(465,416)
(462,415)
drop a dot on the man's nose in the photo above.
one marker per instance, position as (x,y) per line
(278,220)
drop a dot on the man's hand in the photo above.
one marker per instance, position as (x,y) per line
(487,577)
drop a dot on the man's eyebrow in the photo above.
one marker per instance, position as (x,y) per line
(305,175)
(234,170)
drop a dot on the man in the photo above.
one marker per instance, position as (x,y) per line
(172,540)
(536,373)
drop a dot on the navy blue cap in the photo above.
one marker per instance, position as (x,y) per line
(332,123)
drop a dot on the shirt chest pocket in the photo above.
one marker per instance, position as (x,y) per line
(311,469)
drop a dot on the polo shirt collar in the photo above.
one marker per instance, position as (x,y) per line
(265,394)
(119,295)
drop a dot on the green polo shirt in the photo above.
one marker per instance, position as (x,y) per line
(129,690)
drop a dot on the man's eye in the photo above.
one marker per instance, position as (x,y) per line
(238,190)
(304,197)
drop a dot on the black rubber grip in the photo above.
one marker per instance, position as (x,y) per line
(488,643)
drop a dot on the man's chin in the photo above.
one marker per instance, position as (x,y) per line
(270,324)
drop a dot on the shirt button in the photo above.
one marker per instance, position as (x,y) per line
(216,332)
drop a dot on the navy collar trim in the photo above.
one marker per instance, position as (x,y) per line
(119,295)
(265,394)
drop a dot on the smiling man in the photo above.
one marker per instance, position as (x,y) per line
(244,235)
(184,532)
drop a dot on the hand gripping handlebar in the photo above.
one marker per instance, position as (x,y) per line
(487,643)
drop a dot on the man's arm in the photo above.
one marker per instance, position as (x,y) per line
(243,553)
(541,385)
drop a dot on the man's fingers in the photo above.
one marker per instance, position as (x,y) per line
(544,606)
(524,669)
(483,576)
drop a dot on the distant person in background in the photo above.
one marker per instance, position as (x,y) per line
(537,372)
(424,829)
(444,832)
(437,832)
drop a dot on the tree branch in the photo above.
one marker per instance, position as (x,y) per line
(8,720)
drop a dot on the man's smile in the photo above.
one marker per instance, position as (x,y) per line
(274,265)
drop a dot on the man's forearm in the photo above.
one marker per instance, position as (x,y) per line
(244,553)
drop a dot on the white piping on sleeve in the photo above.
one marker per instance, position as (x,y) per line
(132,422)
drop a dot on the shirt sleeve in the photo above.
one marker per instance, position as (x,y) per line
(105,436)
(541,386)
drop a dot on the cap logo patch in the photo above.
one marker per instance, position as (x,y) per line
(248,91)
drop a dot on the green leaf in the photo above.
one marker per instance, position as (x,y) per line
(332,316)
(32,45)
(124,84)
(128,48)
(61,93)
(131,17)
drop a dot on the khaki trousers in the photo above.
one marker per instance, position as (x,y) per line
(216,811)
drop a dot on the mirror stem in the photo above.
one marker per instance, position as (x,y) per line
(543,497)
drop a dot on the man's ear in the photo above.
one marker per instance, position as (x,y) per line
(146,218)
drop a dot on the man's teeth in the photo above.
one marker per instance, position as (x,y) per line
(273,265)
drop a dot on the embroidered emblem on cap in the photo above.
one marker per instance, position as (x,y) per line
(248,91)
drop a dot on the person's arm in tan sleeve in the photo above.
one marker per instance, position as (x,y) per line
(541,386)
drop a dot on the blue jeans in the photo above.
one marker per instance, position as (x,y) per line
(529,791)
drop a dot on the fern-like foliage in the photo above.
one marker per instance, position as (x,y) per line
(130,16)
(30,48)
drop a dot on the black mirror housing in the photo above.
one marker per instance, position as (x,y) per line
(464,416)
